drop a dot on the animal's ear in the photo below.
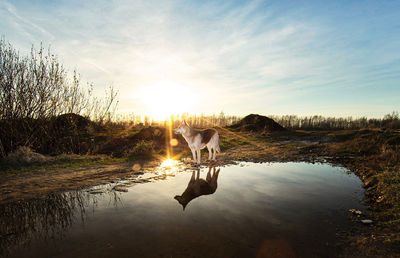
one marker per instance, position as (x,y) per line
(184,122)
(176,197)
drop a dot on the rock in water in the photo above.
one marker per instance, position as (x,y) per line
(98,191)
(366,221)
(355,212)
(120,188)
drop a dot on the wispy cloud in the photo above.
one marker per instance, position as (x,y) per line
(258,56)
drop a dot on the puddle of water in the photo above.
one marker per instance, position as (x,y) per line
(246,210)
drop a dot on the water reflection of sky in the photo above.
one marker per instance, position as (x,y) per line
(301,204)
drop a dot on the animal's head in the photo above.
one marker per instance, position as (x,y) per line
(183,128)
(181,200)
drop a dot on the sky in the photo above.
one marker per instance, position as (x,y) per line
(331,58)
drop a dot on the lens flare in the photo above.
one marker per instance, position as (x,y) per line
(173,142)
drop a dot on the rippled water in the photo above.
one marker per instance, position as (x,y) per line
(265,210)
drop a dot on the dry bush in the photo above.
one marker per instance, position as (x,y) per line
(24,155)
(142,149)
(34,89)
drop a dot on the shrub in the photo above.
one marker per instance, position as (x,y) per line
(24,155)
(142,149)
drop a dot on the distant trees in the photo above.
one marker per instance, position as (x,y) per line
(36,87)
(391,121)
(194,120)
(202,121)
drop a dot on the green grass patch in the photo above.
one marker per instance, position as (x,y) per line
(229,141)
(60,162)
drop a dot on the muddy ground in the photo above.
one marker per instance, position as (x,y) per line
(354,150)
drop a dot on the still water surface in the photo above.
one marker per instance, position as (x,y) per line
(247,210)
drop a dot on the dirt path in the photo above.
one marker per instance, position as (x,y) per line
(27,185)
(34,184)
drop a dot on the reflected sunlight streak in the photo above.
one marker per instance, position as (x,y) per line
(169,167)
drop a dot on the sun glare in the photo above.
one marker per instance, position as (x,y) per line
(163,99)
(169,167)
(168,163)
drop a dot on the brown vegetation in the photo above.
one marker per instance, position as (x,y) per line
(34,91)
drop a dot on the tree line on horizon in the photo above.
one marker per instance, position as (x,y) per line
(294,122)
(391,121)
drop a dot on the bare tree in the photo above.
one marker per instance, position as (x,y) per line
(34,89)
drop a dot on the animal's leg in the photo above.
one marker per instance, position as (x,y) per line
(217,173)
(209,151)
(215,152)
(208,178)
(194,155)
(214,179)
(198,174)
(198,156)
(193,178)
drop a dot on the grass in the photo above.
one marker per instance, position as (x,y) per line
(60,162)
(142,150)
(228,141)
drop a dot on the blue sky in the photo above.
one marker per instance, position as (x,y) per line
(332,58)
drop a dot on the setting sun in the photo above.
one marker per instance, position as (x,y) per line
(163,99)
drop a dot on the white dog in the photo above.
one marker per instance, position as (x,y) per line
(199,139)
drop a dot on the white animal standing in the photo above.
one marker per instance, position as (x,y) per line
(199,139)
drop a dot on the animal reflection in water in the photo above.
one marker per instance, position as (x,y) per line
(198,186)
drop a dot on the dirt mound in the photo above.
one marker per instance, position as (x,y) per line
(71,120)
(257,123)
(121,145)
(70,133)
